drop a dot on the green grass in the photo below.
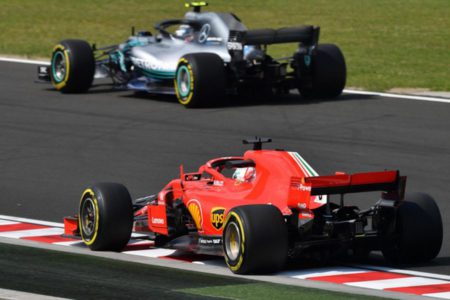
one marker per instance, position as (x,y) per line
(76,276)
(263,291)
(387,44)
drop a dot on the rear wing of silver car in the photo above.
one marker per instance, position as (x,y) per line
(307,35)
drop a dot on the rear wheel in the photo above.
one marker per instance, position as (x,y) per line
(418,231)
(327,73)
(200,80)
(106,217)
(72,66)
(251,243)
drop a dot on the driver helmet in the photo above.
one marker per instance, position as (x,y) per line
(244,174)
(185,32)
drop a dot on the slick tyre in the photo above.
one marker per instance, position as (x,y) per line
(418,231)
(200,80)
(255,239)
(328,73)
(106,217)
(72,66)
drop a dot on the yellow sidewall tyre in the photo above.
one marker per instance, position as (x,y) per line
(251,245)
(106,217)
(72,66)
(200,80)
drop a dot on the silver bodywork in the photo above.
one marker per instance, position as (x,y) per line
(157,57)
(153,63)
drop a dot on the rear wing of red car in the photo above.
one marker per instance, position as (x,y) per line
(389,182)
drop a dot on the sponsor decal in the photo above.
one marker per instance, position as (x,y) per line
(159,221)
(152,64)
(204,33)
(303,188)
(306,215)
(192,177)
(217,217)
(218,182)
(195,210)
(301,205)
(234,46)
(214,39)
(210,241)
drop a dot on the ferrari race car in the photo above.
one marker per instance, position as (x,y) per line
(201,58)
(261,209)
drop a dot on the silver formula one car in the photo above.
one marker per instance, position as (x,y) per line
(201,58)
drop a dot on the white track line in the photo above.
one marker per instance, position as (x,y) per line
(356,92)
(304,274)
(32,233)
(406,272)
(396,283)
(444,295)
(32,221)
(57,228)
(211,262)
(70,243)
(17,295)
(5,222)
(154,253)
(389,95)
(25,61)
(134,242)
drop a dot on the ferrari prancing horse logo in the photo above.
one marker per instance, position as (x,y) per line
(217,216)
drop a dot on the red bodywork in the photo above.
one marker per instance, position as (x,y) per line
(283,179)
(200,201)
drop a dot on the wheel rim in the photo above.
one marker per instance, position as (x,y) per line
(232,241)
(59,66)
(184,81)
(88,217)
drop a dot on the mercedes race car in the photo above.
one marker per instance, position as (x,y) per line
(261,209)
(201,58)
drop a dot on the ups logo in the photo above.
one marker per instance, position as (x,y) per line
(217,216)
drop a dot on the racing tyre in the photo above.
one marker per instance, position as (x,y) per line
(418,231)
(200,80)
(72,66)
(328,74)
(255,239)
(106,217)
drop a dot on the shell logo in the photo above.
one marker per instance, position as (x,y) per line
(196,212)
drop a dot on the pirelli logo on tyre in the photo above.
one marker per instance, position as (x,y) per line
(217,217)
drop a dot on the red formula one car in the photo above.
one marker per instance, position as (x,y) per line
(260,209)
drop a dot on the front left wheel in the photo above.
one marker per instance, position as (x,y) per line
(106,217)
(72,66)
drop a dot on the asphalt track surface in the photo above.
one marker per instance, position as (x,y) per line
(52,146)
